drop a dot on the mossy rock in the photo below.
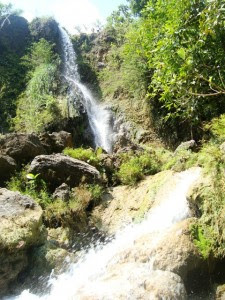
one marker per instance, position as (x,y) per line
(21,229)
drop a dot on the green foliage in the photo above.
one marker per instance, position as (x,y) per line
(134,168)
(61,213)
(181,160)
(41,53)
(38,105)
(201,241)
(31,185)
(88,155)
(96,191)
(211,201)
(217,128)
(185,58)
(137,6)
(12,83)
(118,23)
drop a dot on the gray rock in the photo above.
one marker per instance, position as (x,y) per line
(62,192)
(21,147)
(56,169)
(57,141)
(21,229)
(189,145)
(7,167)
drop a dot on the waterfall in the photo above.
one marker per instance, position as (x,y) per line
(89,278)
(100,118)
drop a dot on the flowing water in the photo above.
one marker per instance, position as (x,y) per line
(100,118)
(106,269)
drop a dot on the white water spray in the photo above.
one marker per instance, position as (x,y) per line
(90,278)
(100,118)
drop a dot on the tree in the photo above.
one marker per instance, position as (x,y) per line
(137,6)
(6,10)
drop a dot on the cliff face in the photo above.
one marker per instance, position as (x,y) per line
(46,28)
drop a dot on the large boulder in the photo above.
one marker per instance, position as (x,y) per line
(7,167)
(57,141)
(134,281)
(122,205)
(56,169)
(21,147)
(174,251)
(21,229)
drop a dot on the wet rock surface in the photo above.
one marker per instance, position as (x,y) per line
(57,169)
(136,281)
(123,205)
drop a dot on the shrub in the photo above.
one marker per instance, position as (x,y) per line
(217,128)
(201,241)
(33,187)
(134,168)
(38,105)
(88,155)
(180,161)
(210,234)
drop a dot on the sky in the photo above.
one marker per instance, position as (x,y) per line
(69,13)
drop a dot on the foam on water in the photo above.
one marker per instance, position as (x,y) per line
(90,272)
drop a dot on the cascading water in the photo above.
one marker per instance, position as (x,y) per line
(100,118)
(96,276)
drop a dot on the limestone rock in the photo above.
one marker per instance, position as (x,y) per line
(123,205)
(177,253)
(189,145)
(220,292)
(57,141)
(21,147)
(7,167)
(21,228)
(135,281)
(57,169)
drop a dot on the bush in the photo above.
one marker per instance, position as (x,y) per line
(31,186)
(216,128)
(88,155)
(209,235)
(134,168)
(38,105)
(201,241)
(61,213)
(180,161)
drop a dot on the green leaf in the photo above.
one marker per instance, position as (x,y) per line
(181,52)
(31,176)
